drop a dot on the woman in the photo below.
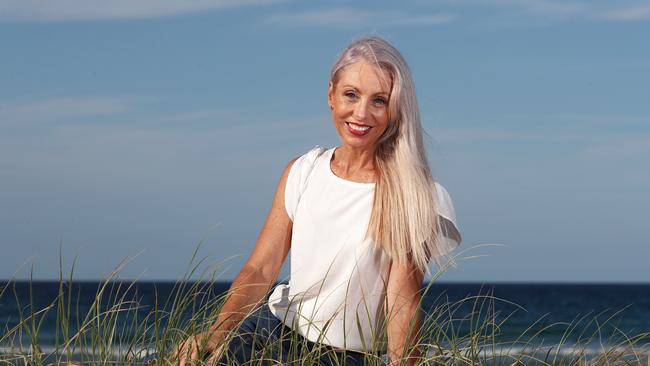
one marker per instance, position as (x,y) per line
(362,221)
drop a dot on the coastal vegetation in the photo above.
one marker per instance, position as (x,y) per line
(118,329)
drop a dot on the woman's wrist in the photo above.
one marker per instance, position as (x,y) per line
(213,339)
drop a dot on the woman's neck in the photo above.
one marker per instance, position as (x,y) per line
(354,163)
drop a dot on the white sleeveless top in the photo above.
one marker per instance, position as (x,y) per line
(336,289)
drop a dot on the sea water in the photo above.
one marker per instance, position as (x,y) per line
(589,316)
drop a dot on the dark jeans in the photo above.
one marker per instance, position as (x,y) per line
(263,340)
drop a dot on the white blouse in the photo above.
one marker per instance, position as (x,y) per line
(336,289)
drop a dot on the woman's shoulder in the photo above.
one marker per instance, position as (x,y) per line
(306,161)
(298,172)
(314,153)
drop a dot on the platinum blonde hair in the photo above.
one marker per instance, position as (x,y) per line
(404,222)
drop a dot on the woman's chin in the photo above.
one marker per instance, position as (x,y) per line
(357,143)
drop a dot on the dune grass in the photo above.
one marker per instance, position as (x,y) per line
(117,329)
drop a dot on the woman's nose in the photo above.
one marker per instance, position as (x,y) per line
(360,110)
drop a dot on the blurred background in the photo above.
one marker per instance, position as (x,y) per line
(141,129)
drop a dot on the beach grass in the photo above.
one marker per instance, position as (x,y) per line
(117,329)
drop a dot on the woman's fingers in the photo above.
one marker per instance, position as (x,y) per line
(178,351)
(187,352)
(214,356)
(194,355)
(190,351)
(179,354)
(212,361)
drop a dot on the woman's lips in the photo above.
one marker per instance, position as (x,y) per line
(358,130)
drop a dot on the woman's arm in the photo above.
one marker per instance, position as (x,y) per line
(403,315)
(253,281)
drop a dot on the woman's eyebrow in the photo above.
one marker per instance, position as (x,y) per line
(349,86)
(382,93)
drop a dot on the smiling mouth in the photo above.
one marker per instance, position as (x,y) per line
(357,129)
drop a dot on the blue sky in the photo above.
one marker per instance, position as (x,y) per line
(139,129)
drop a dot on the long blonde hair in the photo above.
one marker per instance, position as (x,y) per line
(404,222)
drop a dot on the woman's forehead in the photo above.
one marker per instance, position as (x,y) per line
(365,76)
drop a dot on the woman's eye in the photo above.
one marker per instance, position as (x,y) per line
(380,101)
(350,94)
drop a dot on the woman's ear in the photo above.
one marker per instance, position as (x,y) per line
(330,94)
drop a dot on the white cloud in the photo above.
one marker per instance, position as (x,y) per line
(60,109)
(522,12)
(615,11)
(466,135)
(632,13)
(71,10)
(584,132)
(628,147)
(546,7)
(140,114)
(355,18)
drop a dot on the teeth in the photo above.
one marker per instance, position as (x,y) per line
(357,127)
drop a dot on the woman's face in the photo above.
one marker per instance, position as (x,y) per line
(359,102)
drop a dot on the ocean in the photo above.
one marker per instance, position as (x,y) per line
(551,314)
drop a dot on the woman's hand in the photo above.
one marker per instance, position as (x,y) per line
(193,348)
